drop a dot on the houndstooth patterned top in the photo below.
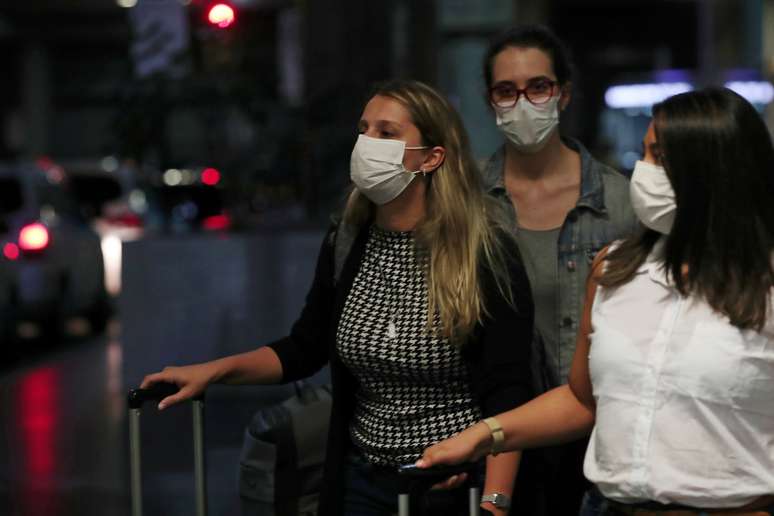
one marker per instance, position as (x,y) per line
(413,385)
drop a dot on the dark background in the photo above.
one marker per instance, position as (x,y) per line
(273,99)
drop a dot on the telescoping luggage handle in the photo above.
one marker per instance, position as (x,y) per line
(419,480)
(157,392)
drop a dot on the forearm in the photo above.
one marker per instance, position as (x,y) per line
(500,476)
(259,366)
(553,418)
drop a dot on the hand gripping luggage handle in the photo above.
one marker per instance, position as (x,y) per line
(156,392)
(421,479)
(135,399)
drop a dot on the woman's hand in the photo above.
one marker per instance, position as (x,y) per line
(190,380)
(467,446)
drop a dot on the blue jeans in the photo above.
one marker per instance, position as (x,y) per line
(594,504)
(369,491)
(373,491)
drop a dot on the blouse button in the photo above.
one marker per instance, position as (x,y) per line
(566,322)
(571,265)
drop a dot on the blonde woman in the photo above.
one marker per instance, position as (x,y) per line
(427,324)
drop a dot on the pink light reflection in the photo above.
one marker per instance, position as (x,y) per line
(38,416)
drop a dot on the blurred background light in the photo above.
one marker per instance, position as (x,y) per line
(187,177)
(221,15)
(756,92)
(138,201)
(33,237)
(111,251)
(173,177)
(216,222)
(210,176)
(109,164)
(11,251)
(643,95)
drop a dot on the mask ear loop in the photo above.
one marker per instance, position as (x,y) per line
(419,147)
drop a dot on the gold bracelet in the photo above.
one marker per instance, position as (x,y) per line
(498,436)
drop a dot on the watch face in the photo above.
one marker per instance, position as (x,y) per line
(498,500)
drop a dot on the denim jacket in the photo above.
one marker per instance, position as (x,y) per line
(602,214)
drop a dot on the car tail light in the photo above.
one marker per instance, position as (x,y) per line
(216,222)
(33,237)
(129,220)
(11,251)
(210,176)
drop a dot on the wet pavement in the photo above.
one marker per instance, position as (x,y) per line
(64,438)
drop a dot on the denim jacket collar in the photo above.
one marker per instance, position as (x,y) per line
(592,193)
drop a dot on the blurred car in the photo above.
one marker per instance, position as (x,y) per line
(113,204)
(51,260)
(191,199)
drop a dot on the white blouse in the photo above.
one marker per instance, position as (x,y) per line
(685,400)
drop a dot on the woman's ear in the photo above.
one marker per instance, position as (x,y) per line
(566,95)
(433,160)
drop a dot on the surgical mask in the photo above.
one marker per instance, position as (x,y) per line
(653,198)
(376,168)
(527,125)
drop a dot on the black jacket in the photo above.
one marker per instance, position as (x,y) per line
(497,354)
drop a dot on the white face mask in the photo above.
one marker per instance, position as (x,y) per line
(376,168)
(527,125)
(653,198)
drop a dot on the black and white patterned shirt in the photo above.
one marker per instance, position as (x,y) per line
(413,385)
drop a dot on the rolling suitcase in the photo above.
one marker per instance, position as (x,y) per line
(135,400)
(417,481)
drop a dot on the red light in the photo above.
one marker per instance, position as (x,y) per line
(11,251)
(39,417)
(216,222)
(44,162)
(210,176)
(221,15)
(33,237)
(129,220)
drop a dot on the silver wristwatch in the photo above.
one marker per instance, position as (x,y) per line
(498,500)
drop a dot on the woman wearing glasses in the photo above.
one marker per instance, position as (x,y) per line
(674,370)
(566,206)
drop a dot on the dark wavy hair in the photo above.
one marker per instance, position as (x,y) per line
(719,157)
(530,36)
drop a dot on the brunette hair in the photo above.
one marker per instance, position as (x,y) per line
(530,36)
(719,158)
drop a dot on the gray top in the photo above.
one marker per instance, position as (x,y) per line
(602,214)
(539,250)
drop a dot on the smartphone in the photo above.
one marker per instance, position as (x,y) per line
(436,471)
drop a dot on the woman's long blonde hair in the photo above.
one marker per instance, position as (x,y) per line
(458,233)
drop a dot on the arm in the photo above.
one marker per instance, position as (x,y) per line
(298,355)
(500,477)
(560,415)
(504,375)
(258,366)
